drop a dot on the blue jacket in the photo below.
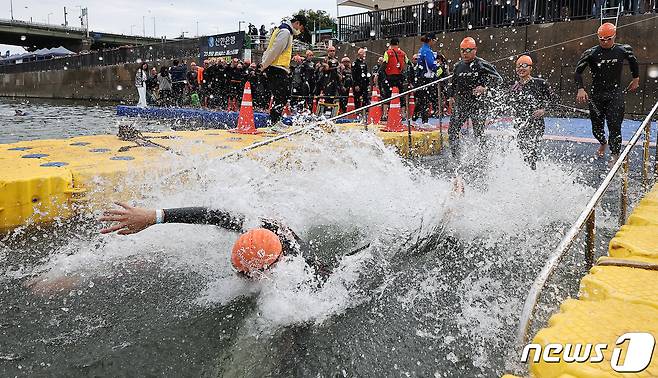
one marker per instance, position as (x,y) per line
(426,62)
(178,73)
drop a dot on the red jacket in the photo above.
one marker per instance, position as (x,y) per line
(395,60)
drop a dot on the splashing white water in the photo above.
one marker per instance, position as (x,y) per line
(349,180)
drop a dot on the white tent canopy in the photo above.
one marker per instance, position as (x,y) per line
(383,4)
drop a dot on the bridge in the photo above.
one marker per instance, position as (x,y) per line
(33,35)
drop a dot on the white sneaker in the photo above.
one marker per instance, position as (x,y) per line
(279,127)
(426,126)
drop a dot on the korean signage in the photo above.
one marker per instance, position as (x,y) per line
(229,45)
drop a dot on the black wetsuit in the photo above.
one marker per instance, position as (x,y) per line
(606,95)
(361,78)
(525,99)
(291,243)
(467,76)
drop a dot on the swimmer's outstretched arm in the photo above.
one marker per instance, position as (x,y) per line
(131,220)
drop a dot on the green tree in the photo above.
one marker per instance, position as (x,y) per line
(317,20)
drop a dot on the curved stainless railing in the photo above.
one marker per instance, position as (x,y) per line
(587,218)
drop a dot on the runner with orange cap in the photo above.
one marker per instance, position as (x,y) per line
(255,250)
(472,79)
(606,97)
(529,98)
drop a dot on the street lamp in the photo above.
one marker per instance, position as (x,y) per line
(11,9)
(240,25)
(48,19)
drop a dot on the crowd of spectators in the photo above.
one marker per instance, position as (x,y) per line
(219,83)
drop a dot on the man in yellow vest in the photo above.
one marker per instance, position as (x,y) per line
(276,66)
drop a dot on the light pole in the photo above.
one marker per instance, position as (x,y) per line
(144,26)
(153,26)
(131,29)
(197,28)
(11,9)
(240,25)
(48,18)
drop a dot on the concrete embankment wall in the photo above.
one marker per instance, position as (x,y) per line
(555,61)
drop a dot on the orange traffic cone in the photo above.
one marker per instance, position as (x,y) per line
(246,117)
(314,109)
(286,110)
(412,106)
(375,112)
(394,123)
(350,106)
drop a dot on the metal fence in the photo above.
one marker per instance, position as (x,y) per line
(455,15)
(121,55)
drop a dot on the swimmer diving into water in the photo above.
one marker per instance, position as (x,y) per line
(255,250)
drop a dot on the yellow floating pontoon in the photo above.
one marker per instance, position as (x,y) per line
(43,180)
(618,296)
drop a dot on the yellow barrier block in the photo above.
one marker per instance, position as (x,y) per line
(632,285)
(94,169)
(34,194)
(595,322)
(637,241)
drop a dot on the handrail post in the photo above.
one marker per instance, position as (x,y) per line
(624,193)
(440,119)
(590,239)
(655,161)
(408,125)
(645,156)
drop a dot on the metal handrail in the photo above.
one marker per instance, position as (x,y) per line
(586,216)
(312,125)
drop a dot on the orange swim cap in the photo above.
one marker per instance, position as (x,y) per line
(524,59)
(468,43)
(256,250)
(607,30)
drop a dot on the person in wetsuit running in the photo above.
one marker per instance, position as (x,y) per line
(130,220)
(606,97)
(472,78)
(529,99)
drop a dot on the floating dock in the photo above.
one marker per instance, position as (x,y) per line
(618,296)
(45,180)
(201,115)
(205,116)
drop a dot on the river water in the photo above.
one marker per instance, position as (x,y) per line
(438,292)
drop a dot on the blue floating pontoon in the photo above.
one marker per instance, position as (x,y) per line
(210,117)
(229,119)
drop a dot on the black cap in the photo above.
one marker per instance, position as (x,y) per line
(395,41)
(300,18)
(430,36)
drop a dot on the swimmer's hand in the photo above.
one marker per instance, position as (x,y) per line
(130,220)
(634,85)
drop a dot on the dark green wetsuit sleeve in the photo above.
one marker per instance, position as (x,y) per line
(632,61)
(204,215)
(580,67)
(491,77)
